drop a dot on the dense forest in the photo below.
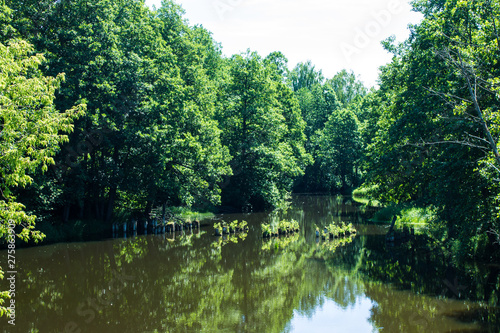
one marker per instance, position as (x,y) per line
(109,108)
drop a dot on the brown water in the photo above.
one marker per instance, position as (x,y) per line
(196,282)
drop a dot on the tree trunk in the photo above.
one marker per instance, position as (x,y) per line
(66,212)
(82,209)
(163,212)
(111,203)
(391,228)
(114,186)
(473,93)
(147,210)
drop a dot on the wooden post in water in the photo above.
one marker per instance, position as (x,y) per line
(163,213)
(390,234)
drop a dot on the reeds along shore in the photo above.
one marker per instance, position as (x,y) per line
(225,228)
(281,228)
(335,231)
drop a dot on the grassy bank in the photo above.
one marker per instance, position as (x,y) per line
(366,196)
(187,214)
(475,245)
(407,214)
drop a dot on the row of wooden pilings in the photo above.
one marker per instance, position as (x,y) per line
(154,227)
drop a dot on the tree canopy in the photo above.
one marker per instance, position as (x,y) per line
(151,113)
(436,139)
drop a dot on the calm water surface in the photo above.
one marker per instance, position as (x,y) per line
(196,282)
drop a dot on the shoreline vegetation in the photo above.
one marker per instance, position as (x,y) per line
(425,221)
(86,230)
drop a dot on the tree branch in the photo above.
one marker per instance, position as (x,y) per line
(494,167)
(473,93)
(478,138)
(495,233)
(462,143)
(451,96)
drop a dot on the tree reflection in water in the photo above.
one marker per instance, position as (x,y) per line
(192,282)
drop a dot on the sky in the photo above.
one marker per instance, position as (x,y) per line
(332,34)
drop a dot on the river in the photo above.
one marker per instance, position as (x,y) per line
(193,281)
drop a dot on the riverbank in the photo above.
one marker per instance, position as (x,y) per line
(81,230)
(427,221)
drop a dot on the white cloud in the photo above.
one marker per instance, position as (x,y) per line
(316,30)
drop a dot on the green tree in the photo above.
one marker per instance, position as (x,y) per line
(317,104)
(305,75)
(436,139)
(320,103)
(31,131)
(347,87)
(339,150)
(263,129)
(148,136)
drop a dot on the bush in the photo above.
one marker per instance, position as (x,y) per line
(367,195)
(473,247)
(386,214)
(75,230)
(53,233)
(366,191)
(416,216)
(188,214)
